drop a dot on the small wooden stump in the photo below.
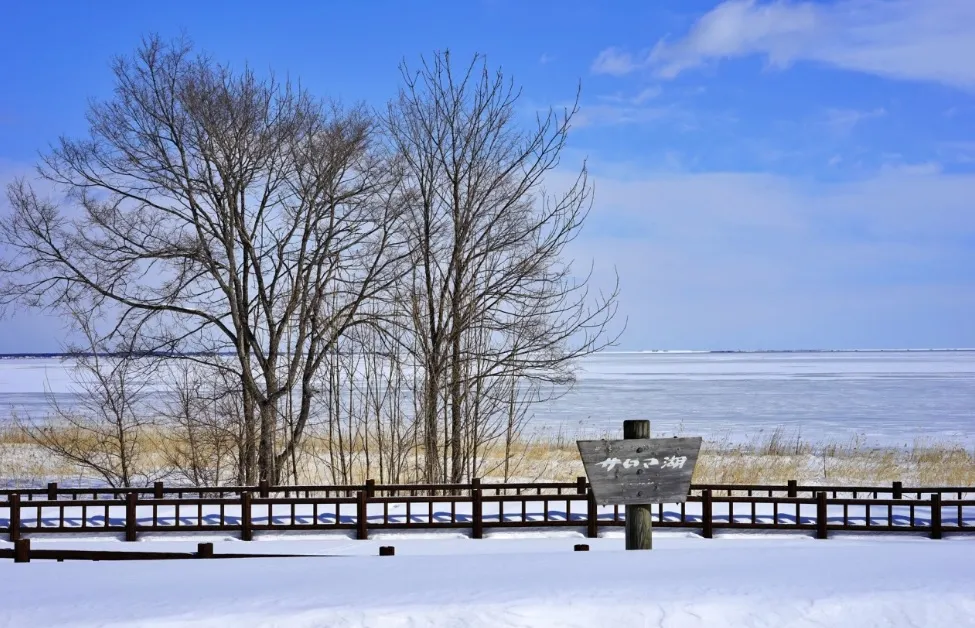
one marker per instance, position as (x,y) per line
(204,550)
(387,550)
(581,547)
(22,551)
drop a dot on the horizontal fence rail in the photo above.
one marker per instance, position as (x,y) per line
(159,490)
(475,507)
(21,552)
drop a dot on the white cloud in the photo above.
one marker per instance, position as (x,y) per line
(614,61)
(546,58)
(919,40)
(747,260)
(896,202)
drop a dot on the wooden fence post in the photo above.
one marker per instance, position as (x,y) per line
(157,490)
(581,485)
(898,491)
(793,489)
(707,520)
(52,491)
(370,488)
(362,516)
(936,515)
(639,517)
(204,550)
(264,489)
(246,531)
(14,504)
(477,510)
(22,551)
(130,516)
(821,515)
(592,516)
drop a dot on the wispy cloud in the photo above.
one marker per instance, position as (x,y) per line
(843,121)
(645,95)
(919,40)
(546,58)
(641,106)
(721,258)
(642,97)
(959,152)
(614,61)
(617,114)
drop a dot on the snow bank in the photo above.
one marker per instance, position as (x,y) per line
(509,582)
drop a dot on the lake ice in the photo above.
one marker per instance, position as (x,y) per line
(890,398)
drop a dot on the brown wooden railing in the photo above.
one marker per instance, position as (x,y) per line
(159,490)
(476,507)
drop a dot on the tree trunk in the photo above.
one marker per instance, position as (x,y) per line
(265,456)
(430,453)
(456,414)
(250,437)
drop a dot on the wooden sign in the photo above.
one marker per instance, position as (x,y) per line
(640,471)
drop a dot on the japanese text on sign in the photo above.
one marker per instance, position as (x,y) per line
(670,462)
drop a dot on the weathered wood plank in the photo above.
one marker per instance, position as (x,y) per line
(640,471)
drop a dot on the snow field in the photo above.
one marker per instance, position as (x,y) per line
(890,398)
(508,580)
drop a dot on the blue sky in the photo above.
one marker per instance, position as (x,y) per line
(768,174)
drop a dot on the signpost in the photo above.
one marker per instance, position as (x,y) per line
(639,471)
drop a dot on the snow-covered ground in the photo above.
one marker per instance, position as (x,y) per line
(526,579)
(887,398)
(534,578)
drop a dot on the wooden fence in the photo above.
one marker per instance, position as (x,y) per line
(475,508)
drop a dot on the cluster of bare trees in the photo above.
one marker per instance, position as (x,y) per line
(346,290)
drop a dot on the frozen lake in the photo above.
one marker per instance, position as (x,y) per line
(890,398)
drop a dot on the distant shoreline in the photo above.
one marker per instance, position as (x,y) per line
(749,351)
(19,356)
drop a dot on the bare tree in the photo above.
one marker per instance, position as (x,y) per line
(212,210)
(399,291)
(109,431)
(491,295)
(202,422)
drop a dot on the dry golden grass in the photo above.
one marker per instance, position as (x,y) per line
(771,459)
(778,457)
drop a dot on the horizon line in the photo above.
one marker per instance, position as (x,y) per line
(69,354)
